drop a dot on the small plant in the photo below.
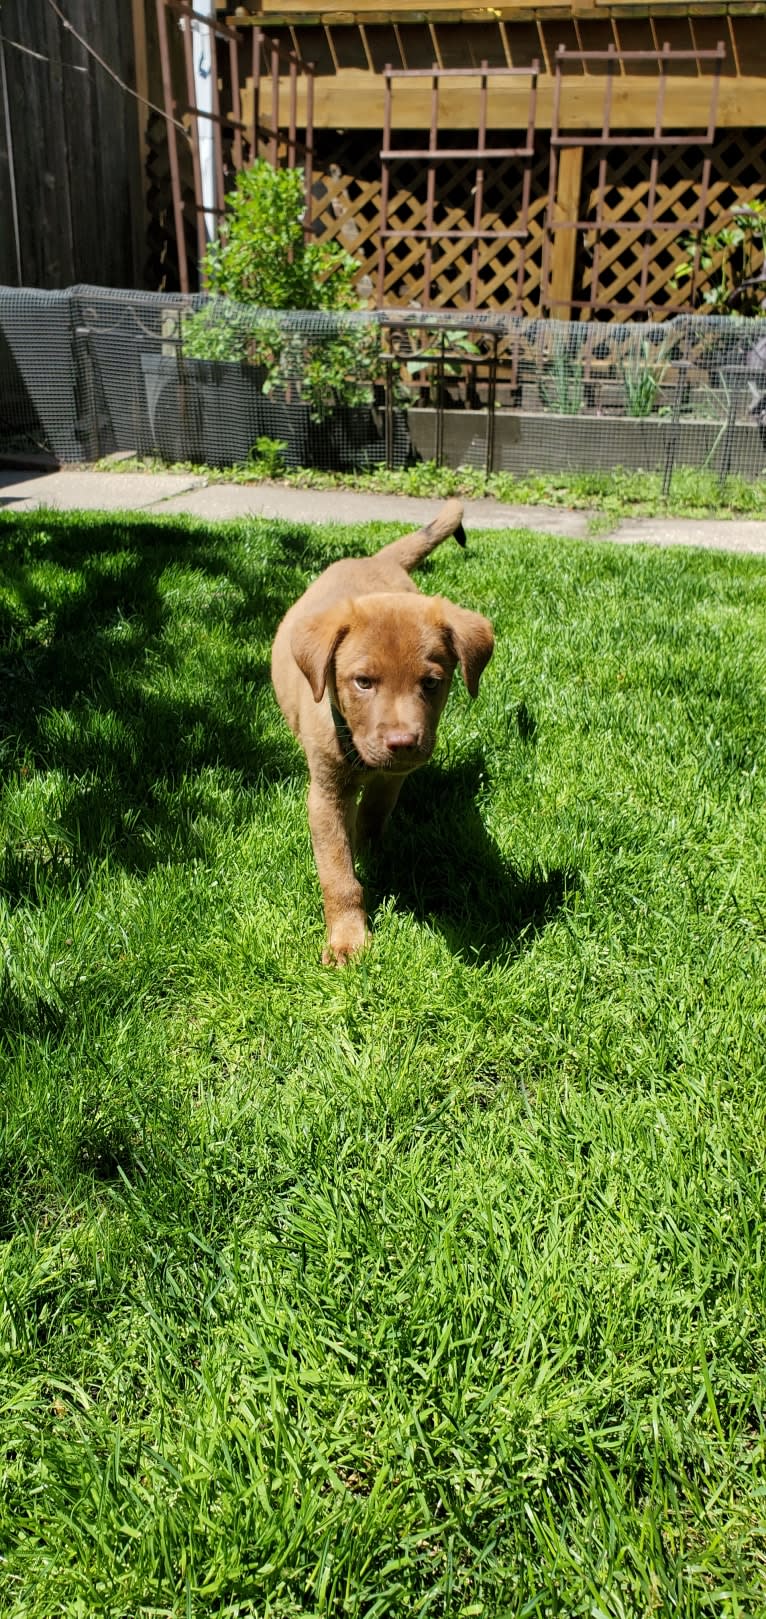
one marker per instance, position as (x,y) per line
(267,457)
(447,355)
(332,371)
(729,256)
(643,377)
(207,335)
(561,386)
(230,332)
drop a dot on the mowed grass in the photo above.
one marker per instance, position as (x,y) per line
(430,1287)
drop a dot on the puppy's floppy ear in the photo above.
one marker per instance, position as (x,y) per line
(315,641)
(472,641)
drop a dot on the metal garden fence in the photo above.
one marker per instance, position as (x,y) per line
(89,372)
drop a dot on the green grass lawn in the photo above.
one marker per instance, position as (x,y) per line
(434,1286)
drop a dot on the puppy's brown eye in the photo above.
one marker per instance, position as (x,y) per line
(363,682)
(430,683)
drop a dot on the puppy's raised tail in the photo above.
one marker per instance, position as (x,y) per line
(412,549)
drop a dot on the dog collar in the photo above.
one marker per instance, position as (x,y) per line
(346,740)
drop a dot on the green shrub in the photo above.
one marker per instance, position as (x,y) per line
(261,255)
(261,262)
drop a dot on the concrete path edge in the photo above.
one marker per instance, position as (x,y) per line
(172,494)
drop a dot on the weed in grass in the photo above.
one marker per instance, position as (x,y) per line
(433,1286)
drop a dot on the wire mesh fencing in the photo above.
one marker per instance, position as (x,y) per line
(88,372)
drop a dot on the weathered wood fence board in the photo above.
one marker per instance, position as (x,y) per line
(71,136)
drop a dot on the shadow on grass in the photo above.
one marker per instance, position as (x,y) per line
(439,863)
(128,680)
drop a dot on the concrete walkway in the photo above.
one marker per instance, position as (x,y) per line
(174,494)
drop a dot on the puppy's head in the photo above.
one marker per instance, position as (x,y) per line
(388,662)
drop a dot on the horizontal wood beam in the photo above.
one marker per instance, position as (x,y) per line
(296,11)
(353,99)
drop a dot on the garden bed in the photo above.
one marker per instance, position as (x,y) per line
(546,442)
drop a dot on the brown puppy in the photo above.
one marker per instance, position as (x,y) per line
(362,666)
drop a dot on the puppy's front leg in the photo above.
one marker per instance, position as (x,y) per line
(378,800)
(331,819)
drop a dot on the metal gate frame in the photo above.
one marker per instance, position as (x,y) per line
(249,141)
(658,140)
(433,154)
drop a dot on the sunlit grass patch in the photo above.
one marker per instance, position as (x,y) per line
(433,1286)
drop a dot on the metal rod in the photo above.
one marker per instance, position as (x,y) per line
(659,113)
(256,70)
(714,93)
(440,402)
(611,54)
(433,136)
(292,115)
(475,73)
(308,167)
(385,181)
(601,189)
(551,223)
(236,104)
(217,122)
(526,185)
(526,193)
(438,154)
(196,166)
(677,138)
(660,226)
(389,384)
(700,223)
(491,403)
(175,175)
(478,205)
(459,235)
(274,145)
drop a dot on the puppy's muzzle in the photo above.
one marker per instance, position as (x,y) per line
(401,743)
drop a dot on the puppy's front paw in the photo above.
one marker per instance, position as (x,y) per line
(348,936)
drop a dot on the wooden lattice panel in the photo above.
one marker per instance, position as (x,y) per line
(738,175)
(346,207)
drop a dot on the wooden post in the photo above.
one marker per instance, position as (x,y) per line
(564,243)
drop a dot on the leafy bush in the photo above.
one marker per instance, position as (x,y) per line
(731,254)
(262,257)
(225,331)
(261,262)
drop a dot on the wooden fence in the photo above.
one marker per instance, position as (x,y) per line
(72,192)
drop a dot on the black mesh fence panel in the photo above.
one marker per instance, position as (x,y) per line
(87,372)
